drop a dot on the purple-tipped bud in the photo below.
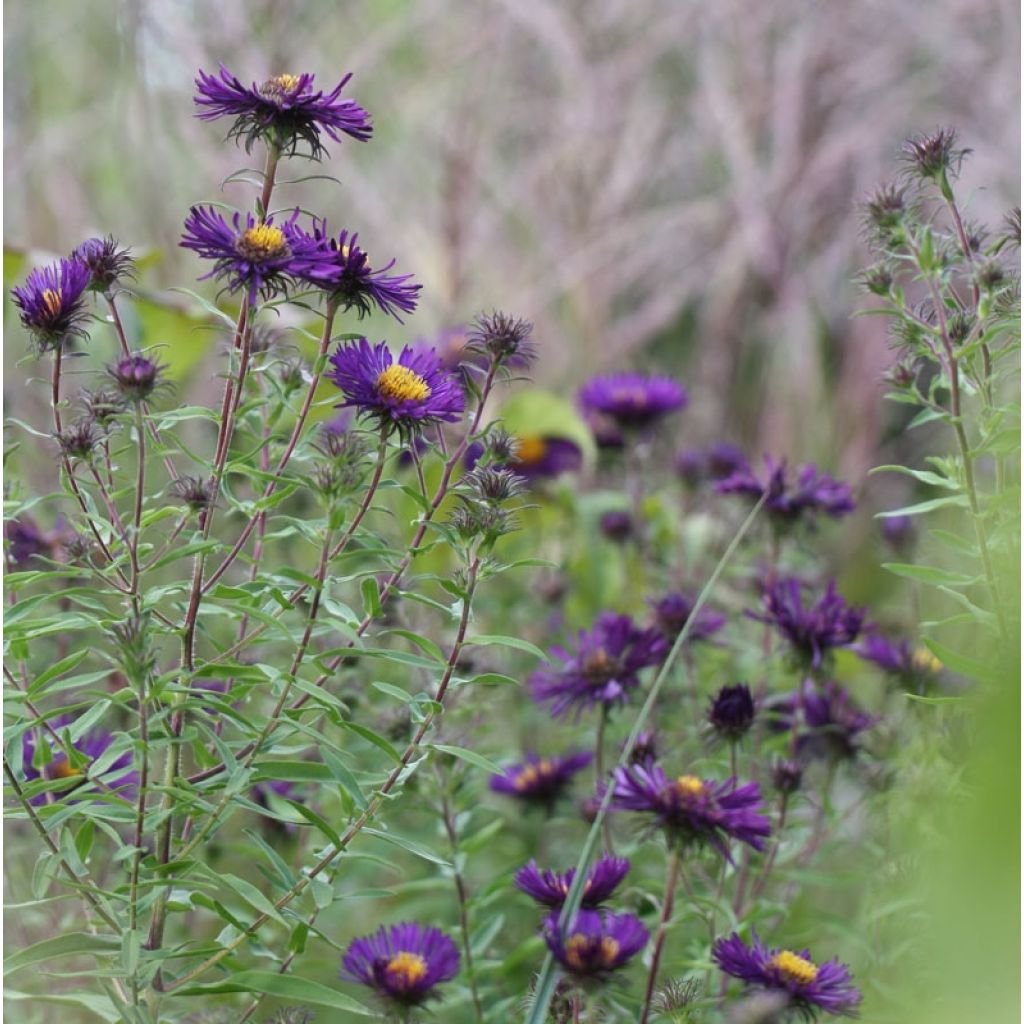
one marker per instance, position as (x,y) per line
(108,264)
(502,337)
(79,440)
(787,776)
(731,713)
(934,155)
(136,376)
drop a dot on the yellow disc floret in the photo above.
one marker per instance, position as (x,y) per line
(690,785)
(575,946)
(287,83)
(925,661)
(64,769)
(609,951)
(52,300)
(530,450)
(262,242)
(794,968)
(533,773)
(406,969)
(402,384)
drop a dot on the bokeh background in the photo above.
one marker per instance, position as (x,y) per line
(658,183)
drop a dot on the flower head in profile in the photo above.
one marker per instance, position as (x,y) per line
(809,987)
(632,400)
(51,302)
(342,269)
(913,667)
(596,943)
(116,781)
(809,494)
(899,532)
(811,630)
(828,721)
(693,811)
(284,111)
(404,964)
(108,263)
(540,780)
(408,392)
(603,668)
(533,456)
(550,888)
(256,256)
(673,611)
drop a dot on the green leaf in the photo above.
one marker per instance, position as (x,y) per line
(62,945)
(961,663)
(508,641)
(929,574)
(285,986)
(371,597)
(418,849)
(959,500)
(470,756)
(102,1007)
(924,475)
(371,737)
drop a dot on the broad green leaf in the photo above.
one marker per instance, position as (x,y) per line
(284,986)
(62,945)
(470,756)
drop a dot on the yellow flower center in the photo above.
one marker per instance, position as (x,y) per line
(64,769)
(575,947)
(405,969)
(532,773)
(690,785)
(287,83)
(925,661)
(598,665)
(262,242)
(794,968)
(52,300)
(402,384)
(530,450)
(609,951)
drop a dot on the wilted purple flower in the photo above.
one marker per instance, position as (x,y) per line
(812,631)
(616,525)
(603,668)
(343,271)
(136,376)
(409,392)
(632,400)
(257,256)
(108,263)
(117,777)
(51,303)
(404,963)
(693,810)
(540,780)
(596,943)
(810,987)
(810,494)
(732,711)
(827,720)
(283,111)
(550,888)
(673,611)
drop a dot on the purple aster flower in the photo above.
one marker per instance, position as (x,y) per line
(912,667)
(810,494)
(343,271)
(810,987)
(603,668)
(616,525)
(540,780)
(595,943)
(27,542)
(108,263)
(812,631)
(828,720)
(550,888)
(673,611)
(257,256)
(409,392)
(732,711)
(606,434)
(787,776)
(690,466)
(632,400)
(117,778)
(645,750)
(284,111)
(404,963)
(532,456)
(51,302)
(724,459)
(693,810)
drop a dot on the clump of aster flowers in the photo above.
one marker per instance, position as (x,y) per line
(550,888)
(693,811)
(602,670)
(284,111)
(541,780)
(51,303)
(595,944)
(824,719)
(632,401)
(808,987)
(403,964)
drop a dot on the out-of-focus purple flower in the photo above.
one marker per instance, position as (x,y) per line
(787,776)
(827,719)
(913,667)
(812,631)
(603,669)
(616,525)
(690,466)
(731,713)
(645,750)
(118,779)
(108,263)
(606,434)
(51,302)
(693,810)
(342,269)
(284,111)
(899,532)
(404,963)
(810,494)
(259,257)
(408,392)
(27,542)
(810,987)
(533,456)
(673,611)
(550,888)
(540,780)
(721,460)
(633,401)
(595,943)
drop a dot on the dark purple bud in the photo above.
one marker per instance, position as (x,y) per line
(197,494)
(136,376)
(617,526)
(934,155)
(502,337)
(732,711)
(787,776)
(102,405)
(79,440)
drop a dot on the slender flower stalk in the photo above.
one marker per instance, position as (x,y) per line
(672,868)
